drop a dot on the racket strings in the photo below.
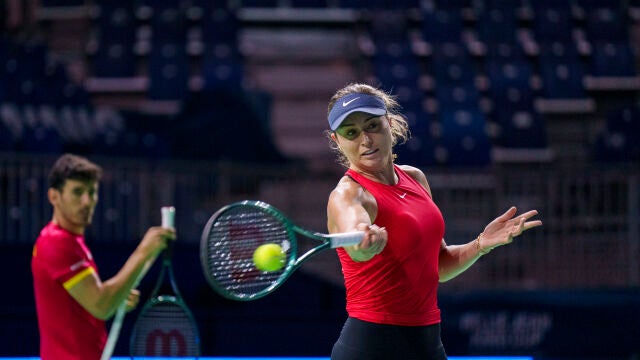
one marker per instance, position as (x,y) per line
(233,238)
(165,329)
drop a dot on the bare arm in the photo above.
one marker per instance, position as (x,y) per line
(351,208)
(455,259)
(102,298)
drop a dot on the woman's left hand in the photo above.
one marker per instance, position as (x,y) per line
(505,227)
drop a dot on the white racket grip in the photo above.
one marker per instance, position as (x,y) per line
(345,239)
(168,216)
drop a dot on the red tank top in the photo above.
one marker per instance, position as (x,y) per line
(399,285)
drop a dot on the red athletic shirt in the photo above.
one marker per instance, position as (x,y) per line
(399,285)
(67,331)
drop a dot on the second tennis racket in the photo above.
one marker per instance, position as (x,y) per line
(165,326)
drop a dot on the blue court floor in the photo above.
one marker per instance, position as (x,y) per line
(281,358)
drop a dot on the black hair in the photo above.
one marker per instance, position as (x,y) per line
(74,167)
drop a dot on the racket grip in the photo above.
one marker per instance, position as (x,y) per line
(168,216)
(346,239)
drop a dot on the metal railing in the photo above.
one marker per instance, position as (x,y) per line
(591,215)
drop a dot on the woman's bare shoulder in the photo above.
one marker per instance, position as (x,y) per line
(347,188)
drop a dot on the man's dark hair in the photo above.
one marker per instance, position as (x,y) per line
(73,167)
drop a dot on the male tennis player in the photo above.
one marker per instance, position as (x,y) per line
(72,302)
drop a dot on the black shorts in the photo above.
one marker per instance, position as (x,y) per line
(362,340)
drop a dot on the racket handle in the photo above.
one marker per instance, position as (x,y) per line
(114,332)
(345,239)
(168,216)
(118,319)
(168,221)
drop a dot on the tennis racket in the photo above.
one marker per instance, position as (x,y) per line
(167,221)
(165,326)
(234,232)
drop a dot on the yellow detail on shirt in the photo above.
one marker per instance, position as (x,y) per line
(77,278)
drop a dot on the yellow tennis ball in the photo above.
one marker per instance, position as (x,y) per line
(269,257)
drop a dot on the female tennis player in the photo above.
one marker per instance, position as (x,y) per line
(392,276)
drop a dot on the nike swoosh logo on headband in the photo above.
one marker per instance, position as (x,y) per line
(346,103)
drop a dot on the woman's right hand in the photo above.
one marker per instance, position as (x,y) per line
(372,244)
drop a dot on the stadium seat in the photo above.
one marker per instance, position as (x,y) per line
(393,60)
(616,142)
(562,80)
(505,52)
(389,50)
(113,55)
(420,148)
(388,25)
(551,24)
(605,22)
(441,26)
(60,89)
(218,72)
(463,139)
(25,70)
(509,82)
(497,25)
(219,26)
(401,72)
(612,59)
(453,97)
(519,125)
(168,23)
(222,62)
(614,146)
(451,64)
(626,119)
(410,98)
(41,139)
(168,72)
(561,71)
